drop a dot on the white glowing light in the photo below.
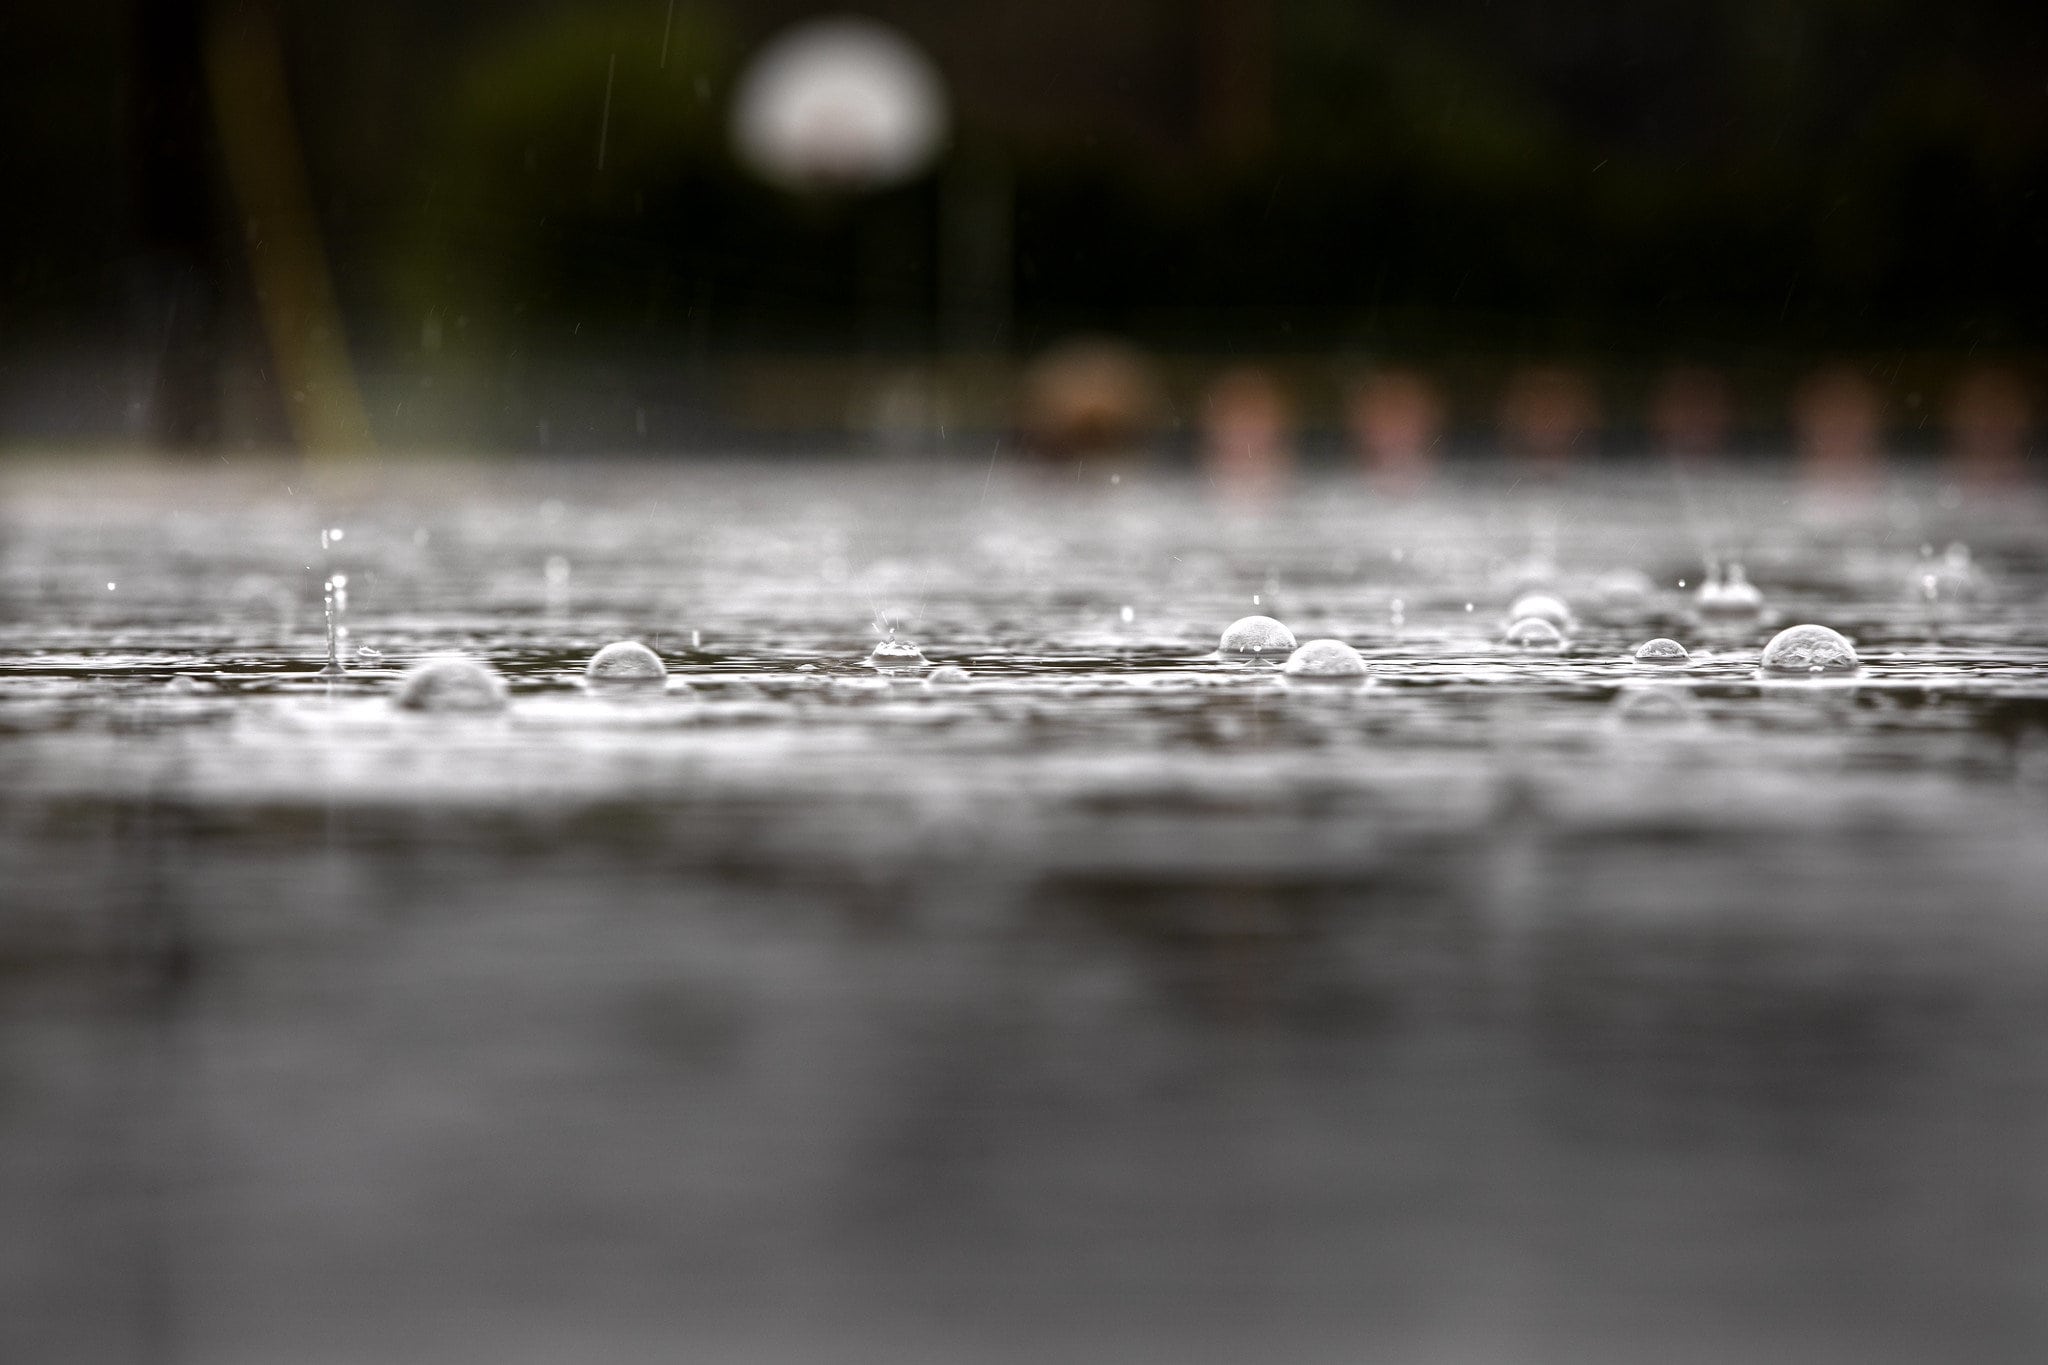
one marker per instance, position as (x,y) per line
(839,104)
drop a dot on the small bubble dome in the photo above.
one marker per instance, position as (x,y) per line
(1541,606)
(897,654)
(1325,659)
(1809,649)
(1254,638)
(946,675)
(625,661)
(450,682)
(1662,652)
(1533,632)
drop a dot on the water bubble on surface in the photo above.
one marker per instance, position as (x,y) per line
(1252,639)
(1533,632)
(897,654)
(1541,606)
(947,675)
(185,685)
(1325,659)
(1662,652)
(1809,649)
(625,661)
(450,682)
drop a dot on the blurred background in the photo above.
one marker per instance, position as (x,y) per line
(1329,230)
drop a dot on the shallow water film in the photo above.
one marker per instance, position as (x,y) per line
(952,958)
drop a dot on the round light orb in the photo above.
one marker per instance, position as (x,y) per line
(839,104)
(1810,649)
(625,661)
(450,682)
(1533,632)
(1541,606)
(1662,652)
(1325,659)
(895,655)
(1256,639)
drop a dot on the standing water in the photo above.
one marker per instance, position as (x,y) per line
(1074,992)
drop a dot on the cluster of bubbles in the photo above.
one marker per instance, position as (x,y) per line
(1538,621)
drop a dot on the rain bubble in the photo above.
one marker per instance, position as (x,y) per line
(947,675)
(625,661)
(450,682)
(1663,652)
(1541,606)
(1809,649)
(1325,659)
(1533,632)
(897,654)
(1255,639)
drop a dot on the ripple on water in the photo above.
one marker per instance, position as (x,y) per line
(1255,639)
(451,682)
(1809,649)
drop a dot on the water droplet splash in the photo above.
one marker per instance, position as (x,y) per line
(1732,599)
(894,655)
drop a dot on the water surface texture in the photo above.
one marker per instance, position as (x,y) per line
(1106,1003)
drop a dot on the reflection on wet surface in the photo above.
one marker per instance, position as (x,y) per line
(1111,1002)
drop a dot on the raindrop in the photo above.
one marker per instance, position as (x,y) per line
(1254,639)
(1127,614)
(1809,649)
(1325,659)
(450,682)
(1533,632)
(1662,652)
(625,661)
